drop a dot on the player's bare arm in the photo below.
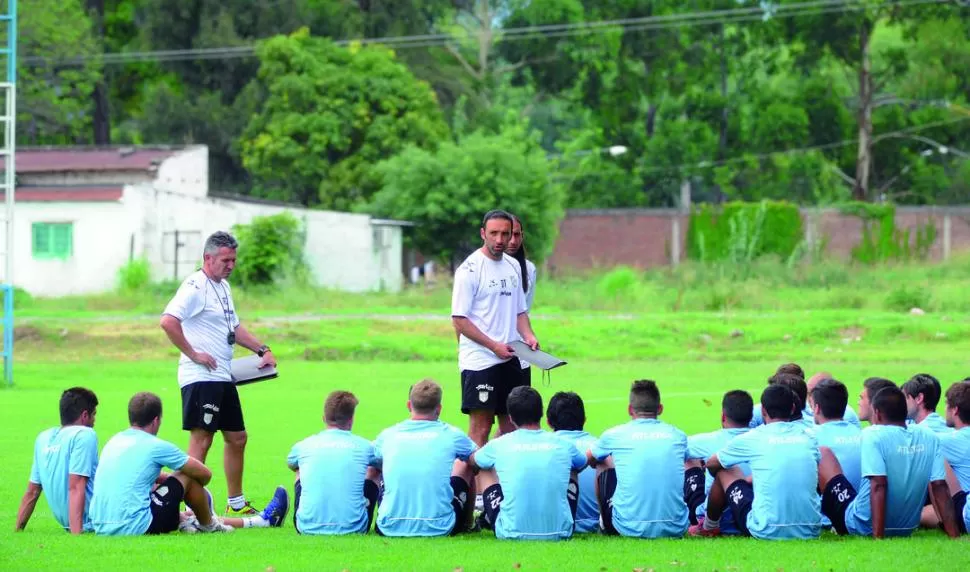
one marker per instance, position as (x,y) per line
(27,504)
(77,488)
(173,329)
(194,469)
(943,503)
(878,487)
(246,339)
(714,465)
(466,328)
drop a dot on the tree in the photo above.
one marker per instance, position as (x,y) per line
(331,113)
(847,36)
(446,192)
(55,94)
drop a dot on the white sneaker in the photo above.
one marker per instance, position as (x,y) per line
(216,526)
(189,525)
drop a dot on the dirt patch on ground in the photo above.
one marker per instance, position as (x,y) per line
(852,332)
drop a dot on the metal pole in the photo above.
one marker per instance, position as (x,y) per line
(175,272)
(947,236)
(10,176)
(675,239)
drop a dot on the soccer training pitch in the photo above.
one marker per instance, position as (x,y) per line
(695,358)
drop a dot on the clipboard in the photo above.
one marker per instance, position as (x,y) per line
(245,370)
(538,358)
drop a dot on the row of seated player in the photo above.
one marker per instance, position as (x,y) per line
(418,475)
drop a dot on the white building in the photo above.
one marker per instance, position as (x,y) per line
(81,214)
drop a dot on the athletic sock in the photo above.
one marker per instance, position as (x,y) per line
(694,493)
(255,522)
(237,503)
(712,524)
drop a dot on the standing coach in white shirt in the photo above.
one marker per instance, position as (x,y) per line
(488,309)
(201,321)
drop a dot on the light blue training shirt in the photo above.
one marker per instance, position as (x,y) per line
(60,452)
(333,465)
(130,463)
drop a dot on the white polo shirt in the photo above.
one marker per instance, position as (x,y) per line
(207,313)
(489,293)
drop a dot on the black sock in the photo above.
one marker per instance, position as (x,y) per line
(572,496)
(694,493)
(492,497)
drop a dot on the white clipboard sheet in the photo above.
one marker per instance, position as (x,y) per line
(538,358)
(246,370)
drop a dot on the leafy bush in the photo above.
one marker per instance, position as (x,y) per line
(271,250)
(741,232)
(882,241)
(903,298)
(622,281)
(134,275)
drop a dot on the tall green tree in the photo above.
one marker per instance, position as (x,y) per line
(446,191)
(330,114)
(54,96)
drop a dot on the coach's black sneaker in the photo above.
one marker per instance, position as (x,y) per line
(275,511)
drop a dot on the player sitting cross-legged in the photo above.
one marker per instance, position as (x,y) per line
(736,411)
(779,500)
(517,504)
(332,494)
(566,415)
(427,480)
(898,463)
(640,471)
(955,447)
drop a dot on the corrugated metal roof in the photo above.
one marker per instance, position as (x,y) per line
(66,159)
(67,194)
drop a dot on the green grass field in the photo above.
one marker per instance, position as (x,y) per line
(695,356)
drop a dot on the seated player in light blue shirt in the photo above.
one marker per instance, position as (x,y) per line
(870,387)
(848,415)
(780,499)
(528,476)
(828,398)
(65,460)
(898,464)
(797,384)
(844,439)
(736,410)
(423,462)
(332,494)
(640,471)
(922,397)
(566,415)
(956,454)
(126,500)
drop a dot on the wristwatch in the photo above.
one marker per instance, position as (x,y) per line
(262,350)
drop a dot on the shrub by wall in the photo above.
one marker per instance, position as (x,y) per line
(741,232)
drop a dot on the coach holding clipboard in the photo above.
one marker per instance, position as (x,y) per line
(201,321)
(489,312)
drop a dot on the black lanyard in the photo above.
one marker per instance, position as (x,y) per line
(231,336)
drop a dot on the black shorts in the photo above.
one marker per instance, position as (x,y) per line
(740,497)
(489,388)
(459,500)
(371,493)
(165,501)
(212,406)
(959,502)
(836,498)
(606,487)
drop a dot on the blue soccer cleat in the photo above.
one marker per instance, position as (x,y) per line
(275,511)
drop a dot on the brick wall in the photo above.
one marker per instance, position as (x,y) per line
(592,239)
